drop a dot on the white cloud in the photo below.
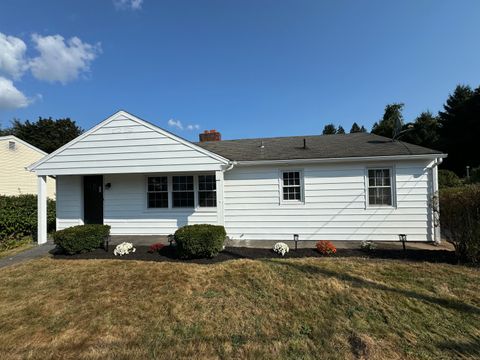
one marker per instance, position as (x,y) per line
(193,127)
(128,4)
(175,123)
(11,97)
(12,56)
(61,60)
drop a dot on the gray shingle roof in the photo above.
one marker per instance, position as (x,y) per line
(317,147)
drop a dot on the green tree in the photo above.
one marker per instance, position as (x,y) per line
(460,129)
(46,134)
(340,130)
(391,121)
(356,129)
(329,129)
(424,131)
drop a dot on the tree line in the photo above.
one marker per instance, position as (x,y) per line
(454,130)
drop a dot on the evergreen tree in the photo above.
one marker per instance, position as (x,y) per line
(340,130)
(391,121)
(355,128)
(329,129)
(460,129)
(363,130)
(46,134)
(424,131)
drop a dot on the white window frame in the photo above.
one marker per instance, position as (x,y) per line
(393,187)
(195,191)
(302,187)
(170,207)
(168,192)
(198,191)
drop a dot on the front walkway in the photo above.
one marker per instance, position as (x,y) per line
(33,253)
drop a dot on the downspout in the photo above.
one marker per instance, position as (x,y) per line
(435,203)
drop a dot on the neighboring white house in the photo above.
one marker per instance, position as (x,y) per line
(143,180)
(15,156)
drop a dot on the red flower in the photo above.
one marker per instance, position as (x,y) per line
(325,247)
(156,247)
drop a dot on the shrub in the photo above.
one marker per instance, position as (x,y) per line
(199,241)
(157,247)
(460,220)
(447,178)
(325,247)
(81,238)
(281,248)
(475,175)
(18,216)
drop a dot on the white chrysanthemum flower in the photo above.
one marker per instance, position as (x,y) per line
(123,249)
(281,248)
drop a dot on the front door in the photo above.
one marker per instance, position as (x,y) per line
(93,199)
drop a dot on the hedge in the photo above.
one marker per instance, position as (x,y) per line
(199,241)
(460,220)
(81,238)
(18,216)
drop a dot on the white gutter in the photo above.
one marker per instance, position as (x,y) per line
(345,159)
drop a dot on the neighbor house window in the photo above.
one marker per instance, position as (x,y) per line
(183,194)
(379,187)
(207,193)
(291,186)
(11,145)
(157,192)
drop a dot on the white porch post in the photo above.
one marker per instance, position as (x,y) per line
(220,207)
(436,206)
(42,209)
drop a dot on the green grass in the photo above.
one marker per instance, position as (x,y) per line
(328,308)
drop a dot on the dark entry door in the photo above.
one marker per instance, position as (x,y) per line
(93,199)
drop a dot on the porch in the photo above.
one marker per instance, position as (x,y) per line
(144,206)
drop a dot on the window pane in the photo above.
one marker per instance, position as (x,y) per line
(158,200)
(207,198)
(158,183)
(207,182)
(183,199)
(182,183)
(291,193)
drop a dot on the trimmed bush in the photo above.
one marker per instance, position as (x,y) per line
(447,178)
(326,247)
(81,238)
(199,241)
(460,220)
(18,216)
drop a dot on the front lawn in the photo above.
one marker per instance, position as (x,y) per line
(338,308)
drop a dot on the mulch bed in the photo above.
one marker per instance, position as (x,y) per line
(167,254)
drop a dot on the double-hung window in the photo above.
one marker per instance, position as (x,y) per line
(183,194)
(291,186)
(380,192)
(157,192)
(207,191)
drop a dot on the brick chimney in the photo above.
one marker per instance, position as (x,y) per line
(210,135)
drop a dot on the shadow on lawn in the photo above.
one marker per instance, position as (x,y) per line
(462,349)
(361,282)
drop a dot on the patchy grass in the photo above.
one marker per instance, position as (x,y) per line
(299,309)
(13,247)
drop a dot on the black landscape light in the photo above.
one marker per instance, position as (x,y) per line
(295,238)
(403,239)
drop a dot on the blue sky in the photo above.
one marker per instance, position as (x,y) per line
(247,68)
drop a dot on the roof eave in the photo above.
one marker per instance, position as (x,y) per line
(343,159)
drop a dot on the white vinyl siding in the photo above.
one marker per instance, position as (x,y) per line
(69,201)
(127,146)
(334,208)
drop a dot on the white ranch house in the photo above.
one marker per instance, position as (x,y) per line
(143,180)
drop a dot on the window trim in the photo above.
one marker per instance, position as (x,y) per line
(280,187)
(168,193)
(393,187)
(170,208)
